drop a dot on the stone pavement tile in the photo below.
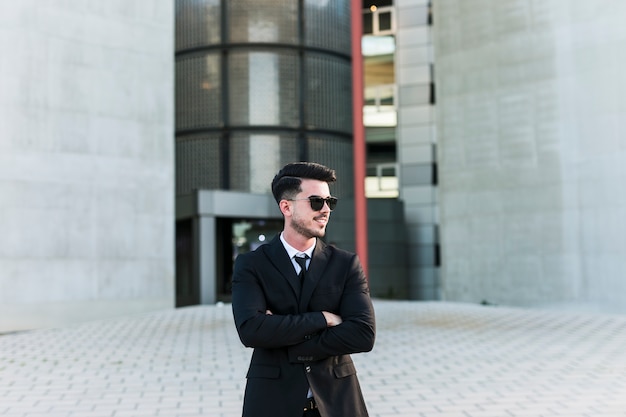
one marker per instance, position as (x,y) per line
(430,359)
(507,358)
(114,364)
(45,413)
(492,414)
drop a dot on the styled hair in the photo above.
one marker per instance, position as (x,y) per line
(287,183)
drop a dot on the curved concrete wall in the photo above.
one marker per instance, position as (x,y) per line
(86,160)
(532,157)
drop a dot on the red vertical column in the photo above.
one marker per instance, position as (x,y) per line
(360,203)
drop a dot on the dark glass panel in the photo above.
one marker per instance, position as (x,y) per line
(384,21)
(327,24)
(273,21)
(256,157)
(329,93)
(197,23)
(187,288)
(368,23)
(378,3)
(198,96)
(198,163)
(264,88)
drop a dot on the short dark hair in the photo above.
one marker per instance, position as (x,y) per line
(287,183)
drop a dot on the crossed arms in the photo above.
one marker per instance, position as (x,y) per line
(308,336)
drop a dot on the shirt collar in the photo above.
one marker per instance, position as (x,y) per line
(291,251)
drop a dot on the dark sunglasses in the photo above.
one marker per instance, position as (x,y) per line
(317,202)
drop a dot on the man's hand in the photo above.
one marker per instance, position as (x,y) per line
(331,319)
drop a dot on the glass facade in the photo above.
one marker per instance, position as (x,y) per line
(263,88)
(198,92)
(260,83)
(198,163)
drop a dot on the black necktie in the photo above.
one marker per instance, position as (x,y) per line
(301,260)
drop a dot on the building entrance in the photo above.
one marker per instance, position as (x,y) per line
(237,236)
(212,228)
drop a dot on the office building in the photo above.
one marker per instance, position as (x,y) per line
(138,140)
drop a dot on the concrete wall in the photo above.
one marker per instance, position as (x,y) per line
(416,142)
(86,160)
(387,248)
(532,156)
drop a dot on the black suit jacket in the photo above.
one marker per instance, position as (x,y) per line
(293,348)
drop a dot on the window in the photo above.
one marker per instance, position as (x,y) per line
(379,21)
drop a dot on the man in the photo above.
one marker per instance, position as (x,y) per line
(302,332)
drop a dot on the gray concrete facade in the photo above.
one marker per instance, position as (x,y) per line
(387,250)
(416,141)
(86,160)
(532,151)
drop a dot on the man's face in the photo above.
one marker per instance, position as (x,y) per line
(304,220)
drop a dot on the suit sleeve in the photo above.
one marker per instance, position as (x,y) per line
(254,326)
(355,334)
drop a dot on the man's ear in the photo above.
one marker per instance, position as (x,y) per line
(285,207)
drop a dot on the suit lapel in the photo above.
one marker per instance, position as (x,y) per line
(319,260)
(279,257)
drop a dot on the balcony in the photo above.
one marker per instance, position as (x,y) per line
(380,107)
(382,181)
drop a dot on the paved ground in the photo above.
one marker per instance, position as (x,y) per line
(430,359)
